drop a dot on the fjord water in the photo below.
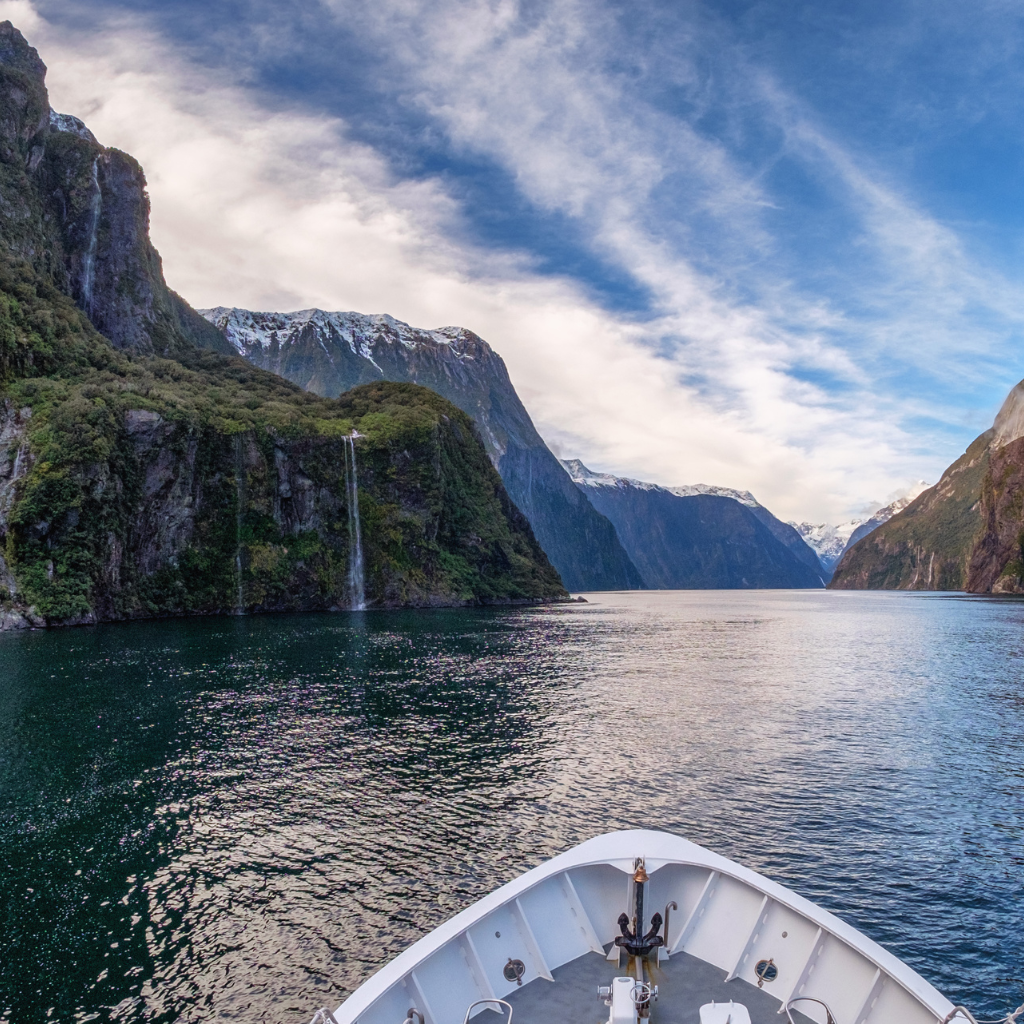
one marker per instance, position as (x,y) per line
(241,818)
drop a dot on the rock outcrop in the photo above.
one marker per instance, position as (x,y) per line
(328,353)
(997,560)
(696,538)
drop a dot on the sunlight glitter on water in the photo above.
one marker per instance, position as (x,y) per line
(244,818)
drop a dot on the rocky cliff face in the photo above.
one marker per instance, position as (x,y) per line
(927,545)
(142,475)
(328,353)
(997,561)
(175,516)
(966,533)
(78,214)
(699,537)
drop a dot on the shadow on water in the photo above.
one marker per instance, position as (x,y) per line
(241,818)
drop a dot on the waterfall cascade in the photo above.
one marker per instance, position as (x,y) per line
(89,266)
(239,512)
(356,580)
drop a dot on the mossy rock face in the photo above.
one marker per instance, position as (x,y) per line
(137,486)
(965,533)
(997,561)
(77,212)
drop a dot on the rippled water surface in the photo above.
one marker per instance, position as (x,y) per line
(239,819)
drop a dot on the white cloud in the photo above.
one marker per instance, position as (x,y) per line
(283,210)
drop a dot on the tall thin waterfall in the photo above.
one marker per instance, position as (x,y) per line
(239,513)
(356,581)
(89,266)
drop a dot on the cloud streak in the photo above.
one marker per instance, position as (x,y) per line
(817,391)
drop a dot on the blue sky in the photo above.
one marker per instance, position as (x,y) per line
(774,246)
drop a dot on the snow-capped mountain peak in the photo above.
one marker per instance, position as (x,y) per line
(588,478)
(250,332)
(830,542)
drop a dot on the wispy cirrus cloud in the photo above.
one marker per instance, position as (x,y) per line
(690,273)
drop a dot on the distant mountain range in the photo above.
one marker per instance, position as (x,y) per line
(328,353)
(644,536)
(700,537)
(600,532)
(831,542)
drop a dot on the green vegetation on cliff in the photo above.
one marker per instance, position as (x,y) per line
(142,473)
(147,486)
(928,545)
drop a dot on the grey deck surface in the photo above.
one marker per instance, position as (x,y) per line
(684,985)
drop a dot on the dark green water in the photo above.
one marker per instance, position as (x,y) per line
(239,819)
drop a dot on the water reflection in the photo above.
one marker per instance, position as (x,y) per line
(241,818)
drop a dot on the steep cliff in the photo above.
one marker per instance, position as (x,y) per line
(997,561)
(928,545)
(327,353)
(142,475)
(78,214)
(699,537)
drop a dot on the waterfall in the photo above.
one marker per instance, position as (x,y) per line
(88,267)
(239,510)
(356,582)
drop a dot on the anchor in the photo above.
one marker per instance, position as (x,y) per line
(633,940)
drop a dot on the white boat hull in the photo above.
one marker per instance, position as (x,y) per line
(728,917)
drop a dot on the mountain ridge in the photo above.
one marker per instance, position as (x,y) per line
(329,352)
(928,544)
(690,538)
(831,542)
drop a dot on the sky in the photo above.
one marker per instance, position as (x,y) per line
(767,245)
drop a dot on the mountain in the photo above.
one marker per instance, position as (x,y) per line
(877,518)
(831,542)
(997,560)
(79,213)
(699,537)
(828,542)
(328,353)
(144,471)
(928,545)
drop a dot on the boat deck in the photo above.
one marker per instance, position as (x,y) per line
(684,985)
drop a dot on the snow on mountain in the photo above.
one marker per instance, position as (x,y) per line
(693,542)
(828,542)
(588,478)
(330,352)
(831,542)
(249,331)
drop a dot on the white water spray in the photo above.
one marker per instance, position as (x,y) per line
(356,581)
(239,509)
(89,266)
